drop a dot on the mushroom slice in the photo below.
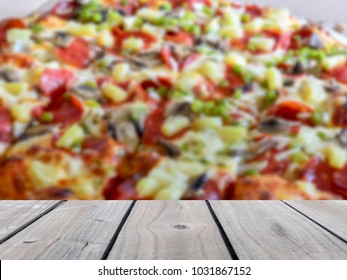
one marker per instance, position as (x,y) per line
(9,75)
(262,147)
(273,126)
(342,138)
(62,39)
(171,149)
(36,130)
(316,42)
(144,60)
(86,92)
(180,108)
(126,133)
(298,68)
(198,182)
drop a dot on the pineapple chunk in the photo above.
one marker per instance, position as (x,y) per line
(213,71)
(88,30)
(232,32)
(162,175)
(132,44)
(15,34)
(254,26)
(114,93)
(274,78)
(213,26)
(120,72)
(332,62)
(15,88)
(233,59)
(105,39)
(232,134)
(191,168)
(262,44)
(147,187)
(174,192)
(336,155)
(204,123)
(129,22)
(21,112)
(149,14)
(151,29)
(45,174)
(278,19)
(187,81)
(175,124)
(312,93)
(74,135)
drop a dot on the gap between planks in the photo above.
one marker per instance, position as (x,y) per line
(161,230)
(272,230)
(76,230)
(18,222)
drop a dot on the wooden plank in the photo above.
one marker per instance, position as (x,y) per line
(14,214)
(272,230)
(74,230)
(169,230)
(330,214)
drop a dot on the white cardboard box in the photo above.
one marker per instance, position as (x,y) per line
(331,11)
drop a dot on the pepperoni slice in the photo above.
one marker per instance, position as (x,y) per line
(254,11)
(65,110)
(189,60)
(64,9)
(340,116)
(5,125)
(291,110)
(121,189)
(340,74)
(210,191)
(180,37)
(55,82)
(167,57)
(325,177)
(139,164)
(121,35)
(9,24)
(77,54)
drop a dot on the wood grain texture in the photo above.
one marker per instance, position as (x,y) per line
(272,230)
(74,230)
(329,214)
(15,213)
(169,230)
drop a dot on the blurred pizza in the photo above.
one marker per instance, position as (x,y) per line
(197,99)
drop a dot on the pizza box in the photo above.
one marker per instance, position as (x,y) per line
(317,10)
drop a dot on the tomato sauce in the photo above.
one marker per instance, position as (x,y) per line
(77,54)
(55,82)
(5,125)
(7,25)
(325,177)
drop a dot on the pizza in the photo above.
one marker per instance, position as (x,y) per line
(197,99)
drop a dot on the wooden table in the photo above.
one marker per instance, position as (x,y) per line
(173,230)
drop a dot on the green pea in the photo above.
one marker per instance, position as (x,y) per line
(246,17)
(317,117)
(166,7)
(251,172)
(237,94)
(47,117)
(238,69)
(270,98)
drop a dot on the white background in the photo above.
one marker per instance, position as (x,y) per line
(88,270)
(327,10)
